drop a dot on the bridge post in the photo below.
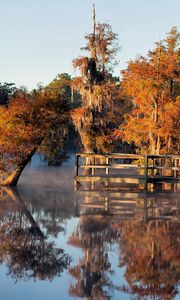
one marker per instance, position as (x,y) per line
(175,166)
(107,163)
(77,165)
(146,172)
(93,162)
(76,171)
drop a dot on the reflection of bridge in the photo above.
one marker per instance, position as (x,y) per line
(126,170)
(139,205)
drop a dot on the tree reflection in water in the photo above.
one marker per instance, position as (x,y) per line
(151,255)
(149,251)
(93,271)
(23,246)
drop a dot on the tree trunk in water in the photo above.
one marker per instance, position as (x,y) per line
(12,179)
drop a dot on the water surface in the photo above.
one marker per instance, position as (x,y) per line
(59,244)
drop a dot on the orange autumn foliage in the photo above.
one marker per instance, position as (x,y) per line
(153,83)
(24,124)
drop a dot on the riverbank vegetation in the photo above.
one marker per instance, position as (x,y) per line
(95,110)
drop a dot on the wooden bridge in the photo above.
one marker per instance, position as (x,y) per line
(112,171)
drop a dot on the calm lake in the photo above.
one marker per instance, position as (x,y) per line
(59,244)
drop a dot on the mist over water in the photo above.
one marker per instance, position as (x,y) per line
(38,174)
(59,244)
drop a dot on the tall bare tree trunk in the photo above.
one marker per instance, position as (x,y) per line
(158,147)
(169,143)
(13,178)
(152,143)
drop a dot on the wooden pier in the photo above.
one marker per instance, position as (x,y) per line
(118,169)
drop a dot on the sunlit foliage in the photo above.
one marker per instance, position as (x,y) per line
(153,83)
(100,92)
(28,121)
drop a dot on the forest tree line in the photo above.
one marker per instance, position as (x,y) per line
(137,113)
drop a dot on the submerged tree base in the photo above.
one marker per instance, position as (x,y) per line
(13,178)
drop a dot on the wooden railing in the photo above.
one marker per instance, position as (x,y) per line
(126,168)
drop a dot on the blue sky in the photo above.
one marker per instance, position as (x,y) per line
(40,38)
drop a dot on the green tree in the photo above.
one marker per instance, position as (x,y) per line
(60,85)
(6,90)
(58,141)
